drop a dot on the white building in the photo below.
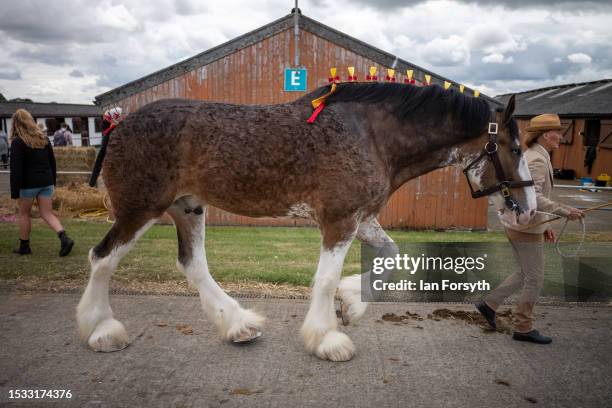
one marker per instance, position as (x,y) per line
(85,121)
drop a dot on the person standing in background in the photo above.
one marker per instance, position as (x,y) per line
(33,176)
(68,135)
(4,149)
(62,136)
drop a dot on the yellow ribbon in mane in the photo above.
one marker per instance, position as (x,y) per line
(319,101)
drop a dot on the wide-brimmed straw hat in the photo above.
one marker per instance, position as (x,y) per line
(542,123)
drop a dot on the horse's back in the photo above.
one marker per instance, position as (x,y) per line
(249,159)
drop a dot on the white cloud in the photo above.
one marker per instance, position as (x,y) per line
(494,39)
(579,58)
(499,48)
(448,51)
(497,58)
(115,16)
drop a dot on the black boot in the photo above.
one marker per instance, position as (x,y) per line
(533,336)
(24,247)
(66,242)
(487,313)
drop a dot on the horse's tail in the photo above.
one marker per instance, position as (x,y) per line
(93,179)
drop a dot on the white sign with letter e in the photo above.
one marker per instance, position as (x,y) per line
(295,79)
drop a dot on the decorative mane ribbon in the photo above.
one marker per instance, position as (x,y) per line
(319,103)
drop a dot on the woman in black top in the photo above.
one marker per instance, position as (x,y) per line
(33,176)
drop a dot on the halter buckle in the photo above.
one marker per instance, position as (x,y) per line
(492,128)
(504,190)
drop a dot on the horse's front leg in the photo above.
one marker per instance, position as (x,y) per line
(320,329)
(350,289)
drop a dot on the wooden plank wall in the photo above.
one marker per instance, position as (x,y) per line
(571,156)
(254,75)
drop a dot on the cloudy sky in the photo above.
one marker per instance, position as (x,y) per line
(73,50)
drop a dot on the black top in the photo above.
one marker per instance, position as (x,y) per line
(31,168)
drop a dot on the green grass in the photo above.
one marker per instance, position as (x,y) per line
(272,255)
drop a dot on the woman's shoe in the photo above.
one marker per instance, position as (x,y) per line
(533,336)
(24,247)
(66,243)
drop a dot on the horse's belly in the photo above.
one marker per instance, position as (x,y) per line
(261,207)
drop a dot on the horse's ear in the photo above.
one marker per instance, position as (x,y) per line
(509,110)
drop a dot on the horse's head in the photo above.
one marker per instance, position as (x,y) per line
(501,171)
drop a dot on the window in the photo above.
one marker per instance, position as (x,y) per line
(77,125)
(605,140)
(52,125)
(567,133)
(592,129)
(84,124)
(98,125)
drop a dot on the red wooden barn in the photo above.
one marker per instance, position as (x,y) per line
(585,110)
(250,70)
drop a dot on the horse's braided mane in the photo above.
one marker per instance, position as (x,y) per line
(415,103)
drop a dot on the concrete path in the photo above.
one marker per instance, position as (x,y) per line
(425,363)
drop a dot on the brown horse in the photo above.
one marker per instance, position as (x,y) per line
(178,156)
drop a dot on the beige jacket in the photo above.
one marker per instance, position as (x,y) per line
(541,170)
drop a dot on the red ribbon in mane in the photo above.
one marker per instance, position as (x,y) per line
(319,103)
(316,112)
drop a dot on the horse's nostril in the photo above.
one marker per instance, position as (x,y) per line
(532,212)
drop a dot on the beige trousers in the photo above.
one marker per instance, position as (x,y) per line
(529,278)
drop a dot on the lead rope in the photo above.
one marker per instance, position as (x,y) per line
(561,253)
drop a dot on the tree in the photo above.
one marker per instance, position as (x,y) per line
(2,98)
(21,100)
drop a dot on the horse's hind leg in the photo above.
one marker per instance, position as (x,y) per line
(94,314)
(235,323)
(320,329)
(370,233)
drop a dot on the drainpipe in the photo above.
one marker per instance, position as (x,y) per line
(296,33)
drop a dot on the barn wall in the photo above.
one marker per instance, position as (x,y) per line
(571,156)
(255,75)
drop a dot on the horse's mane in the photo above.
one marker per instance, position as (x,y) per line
(415,103)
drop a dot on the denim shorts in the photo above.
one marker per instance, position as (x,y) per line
(37,191)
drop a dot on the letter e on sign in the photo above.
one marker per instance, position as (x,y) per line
(295,79)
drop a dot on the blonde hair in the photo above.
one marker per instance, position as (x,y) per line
(25,128)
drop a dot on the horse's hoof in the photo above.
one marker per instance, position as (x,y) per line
(335,346)
(247,336)
(109,336)
(244,325)
(344,313)
(351,306)
(353,312)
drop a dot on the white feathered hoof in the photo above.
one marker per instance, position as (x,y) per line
(109,335)
(335,346)
(352,308)
(243,326)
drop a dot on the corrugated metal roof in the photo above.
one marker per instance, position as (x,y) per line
(42,110)
(253,37)
(581,99)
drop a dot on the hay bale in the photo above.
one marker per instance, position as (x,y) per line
(8,206)
(74,158)
(74,198)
